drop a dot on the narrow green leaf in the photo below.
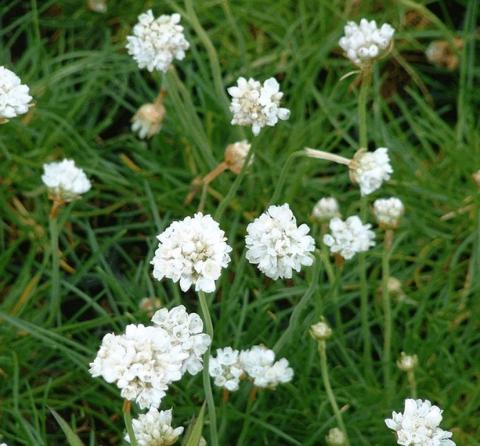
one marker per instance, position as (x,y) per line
(71,436)
(194,431)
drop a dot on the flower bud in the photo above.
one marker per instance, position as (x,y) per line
(407,362)
(335,437)
(97,5)
(236,154)
(148,119)
(388,212)
(321,331)
(326,209)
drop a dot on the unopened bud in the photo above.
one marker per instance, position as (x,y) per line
(407,362)
(236,154)
(321,331)
(97,5)
(335,437)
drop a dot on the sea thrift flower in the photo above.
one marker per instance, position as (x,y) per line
(14,96)
(256,104)
(407,362)
(335,437)
(154,428)
(277,245)
(64,180)
(192,251)
(156,42)
(321,331)
(236,155)
(142,362)
(443,54)
(147,121)
(349,237)
(186,331)
(370,169)
(388,212)
(259,364)
(326,209)
(419,424)
(365,42)
(225,369)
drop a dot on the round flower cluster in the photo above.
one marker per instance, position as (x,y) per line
(388,212)
(225,368)
(419,425)
(64,180)
(277,245)
(321,331)
(365,41)
(326,209)
(349,237)
(186,331)
(256,104)
(156,42)
(370,169)
(147,121)
(144,361)
(154,428)
(236,154)
(14,96)
(192,251)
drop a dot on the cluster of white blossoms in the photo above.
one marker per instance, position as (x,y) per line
(144,361)
(15,97)
(186,331)
(325,209)
(370,169)
(365,42)
(419,425)
(156,42)
(349,237)
(154,428)
(192,251)
(388,212)
(64,180)
(236,155)
(277,245)
(256,104)
(225,368)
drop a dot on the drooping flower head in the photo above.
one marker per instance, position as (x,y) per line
(388,212)
(156,42)
(64,180)
(260,365)
(186,331)
(277,245)
(370,169)
(419,425)
(192,251)
(364,42)
(225,368)
(256,104)
(15,97)
(154,428)
(236,155)
(349,237)
(326,209)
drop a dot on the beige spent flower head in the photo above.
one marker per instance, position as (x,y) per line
(236,154)
(149,305)
(476,178)
(388,212)
(336,437)
(321,331)
(148,119)
(97,6)
(326,209)
(443,53)
(407,362)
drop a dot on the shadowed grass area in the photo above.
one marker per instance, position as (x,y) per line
(86,88)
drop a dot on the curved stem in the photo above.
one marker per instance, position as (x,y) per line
(207,179)
(387,311)
(328,388)
(128,422)
(207,385)
(321,154)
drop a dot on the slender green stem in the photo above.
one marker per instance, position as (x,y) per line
(55,285)
(246,422)
(387,312)
(207,385)
(127,417)
(336,296)
(283,174)
(412,382)
(366,76)
(322,347)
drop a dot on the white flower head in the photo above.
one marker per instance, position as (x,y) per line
(365,42)
(225,368)
(186,332)
(256,104)
(349,237)
(192,251)
(15,97)
(64,180)
(370,169)
(419,425)
(321,331)
(236,155)
(407,362)
(260,365)
(154,428)
(142,362)
(277,245)
(326,209)
(335,437)
(388,212)
(148,119)
(156,42)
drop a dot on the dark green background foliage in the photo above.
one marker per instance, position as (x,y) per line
(86,89)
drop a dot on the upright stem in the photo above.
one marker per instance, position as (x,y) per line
(248,411)
(55,279)
(412,382)
(207,385)
(128,422)
(328,388)
(387,311)
(365,79)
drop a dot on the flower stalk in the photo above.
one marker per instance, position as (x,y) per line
(54,249)
(387,311)
(127,417)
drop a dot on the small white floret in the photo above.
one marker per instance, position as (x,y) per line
(225,368)
(64,180)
